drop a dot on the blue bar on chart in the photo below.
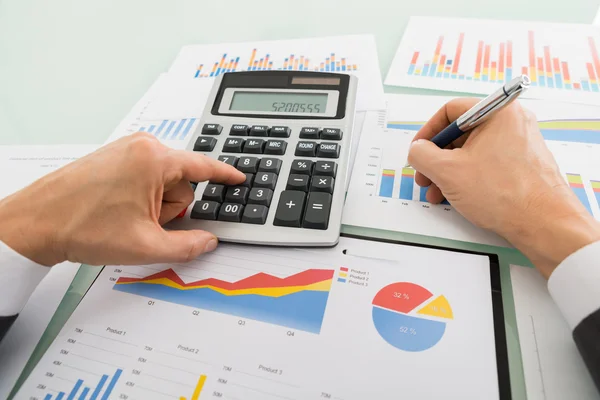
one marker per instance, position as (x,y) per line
(387,183)
(576,185)
(178,129)
(187,128)
(169,129)
(407,183)
(82,396)
(160,128)
(423,194)
(596,190)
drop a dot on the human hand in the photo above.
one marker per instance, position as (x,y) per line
(502,177)
(108,207)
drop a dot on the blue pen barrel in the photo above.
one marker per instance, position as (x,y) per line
(447,136)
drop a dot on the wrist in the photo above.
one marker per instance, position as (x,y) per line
(551,236)
(27,232)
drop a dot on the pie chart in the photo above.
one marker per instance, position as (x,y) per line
(410,317)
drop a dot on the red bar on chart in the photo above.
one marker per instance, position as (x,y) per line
(252,59)
(438,49)
(414,58)
(524,70)
(296,64)
(478,62)
(461,38)
(591,73)
(594,52)
(565,71)
(266,60)
(509,54)
(501,63)
(576,85)
(547,62)
(532,57)
(540,70)
(440,67)
(486,62)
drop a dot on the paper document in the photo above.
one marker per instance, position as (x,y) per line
(353,54)
(248,322)
(478,56)
(553,367)
(384,195)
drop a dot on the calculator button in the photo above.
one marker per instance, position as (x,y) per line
(237,194)
(270,165)
(306,149)
(276,147)
(247,164)
(231,212)
(298,182)
(328,150)
(280,131)
(214,192)
(331,134)
(259,130)
(289,210)
(211,129)
(260,196)
(204,143)
(230,160)
(301,167)
(265,180)
(239,130)
(233,145)
(248,181)
(322,184)
(318,206)
(255,214)
(309,133)
(205,210)
(254,146)
(325,168)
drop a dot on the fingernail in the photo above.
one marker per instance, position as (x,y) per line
(416,141)
(210,246)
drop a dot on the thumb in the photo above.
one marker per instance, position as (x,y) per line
(182,246)
(428,159)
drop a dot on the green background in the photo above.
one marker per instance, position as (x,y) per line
(70,70)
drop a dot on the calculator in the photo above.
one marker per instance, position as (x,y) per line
(290,132)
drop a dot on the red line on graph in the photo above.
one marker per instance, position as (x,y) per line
(478,62)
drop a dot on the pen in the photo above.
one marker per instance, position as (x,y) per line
(482,111)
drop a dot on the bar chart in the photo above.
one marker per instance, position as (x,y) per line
(265,62)
(80,391)
(169,129)
(596,189)
(576,184)
(476,56)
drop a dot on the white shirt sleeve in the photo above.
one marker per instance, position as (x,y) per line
(575,284)
(19,276)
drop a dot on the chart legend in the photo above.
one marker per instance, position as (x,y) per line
(392,306)
(343,275)
(297,301)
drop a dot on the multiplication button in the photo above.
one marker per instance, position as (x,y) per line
(322,184)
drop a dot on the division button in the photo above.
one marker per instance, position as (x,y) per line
(214,192)
(231,212)
(239,130)
(205,209)
(325,168)
(260,196)
(230,160)
(322,184)
(306,149)
(265,180)
(331,134)
(280,131)
(328,150)
(254,146)
(204,143)
(248,164)
(301,167)
(259,130)
(237,194)
(289,209)
(276,147)
(317,211)
(255,214)
(298,182)
(270,165)
(233,145)
(309,133)
(211,129)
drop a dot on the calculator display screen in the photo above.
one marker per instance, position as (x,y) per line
(279,102)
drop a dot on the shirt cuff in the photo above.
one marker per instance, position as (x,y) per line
(574,284)
(19,277)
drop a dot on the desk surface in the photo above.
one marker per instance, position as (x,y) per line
(71,70)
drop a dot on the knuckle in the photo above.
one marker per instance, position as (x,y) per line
(143,144)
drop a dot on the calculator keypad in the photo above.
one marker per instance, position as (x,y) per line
(306,200)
